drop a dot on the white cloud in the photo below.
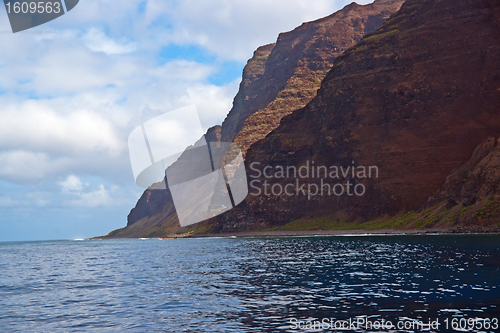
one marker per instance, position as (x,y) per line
(71,184)
(97,41)
(79,194)
(229,29)
(212,102)
(88,131)
(73,89)
(6,201)
(37,199)
(24,166)
(92,199)
(46,125)
(182,70)
(232,29)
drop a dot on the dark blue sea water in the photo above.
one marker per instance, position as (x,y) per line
(250,285)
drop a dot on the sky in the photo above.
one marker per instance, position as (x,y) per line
(73,89)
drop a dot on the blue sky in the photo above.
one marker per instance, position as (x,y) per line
(72,90)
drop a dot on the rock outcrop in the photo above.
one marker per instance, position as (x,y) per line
(476,180)
(469,199)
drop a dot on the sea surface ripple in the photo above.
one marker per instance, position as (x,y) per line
(244,284)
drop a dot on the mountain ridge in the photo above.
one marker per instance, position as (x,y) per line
(415,98)
(279,78)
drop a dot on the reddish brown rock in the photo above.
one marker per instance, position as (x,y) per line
(295,68)
(469,199)
(278,79)
(476,180)
(415,98)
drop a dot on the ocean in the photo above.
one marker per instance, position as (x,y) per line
(431,283)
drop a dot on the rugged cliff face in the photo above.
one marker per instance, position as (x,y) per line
(254,92)
(414,99)
(279,78)
(295,68)
(476,180)
(470,196)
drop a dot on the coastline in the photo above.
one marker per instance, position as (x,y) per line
(354,232)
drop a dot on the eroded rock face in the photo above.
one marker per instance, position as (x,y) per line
(469,199)
(280,77)
(476,180)
(414,98)
(296,66)
(254,92)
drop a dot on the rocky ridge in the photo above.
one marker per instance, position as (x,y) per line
(415,98)
(280,78)
(296,66)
